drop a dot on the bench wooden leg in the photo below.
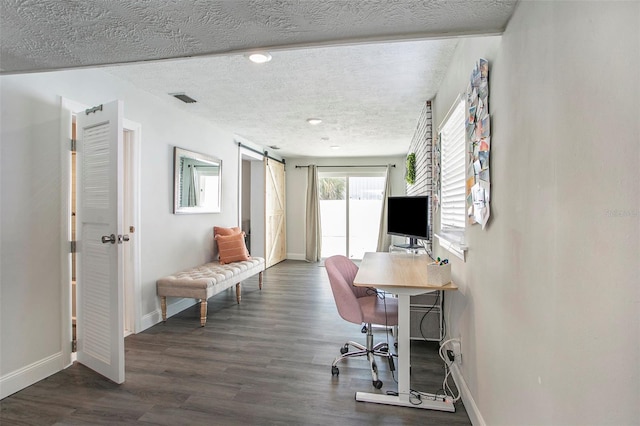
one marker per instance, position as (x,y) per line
(238,292)
(163,304)
(203,312)
(260,280)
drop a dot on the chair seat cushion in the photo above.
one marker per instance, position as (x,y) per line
(379,311)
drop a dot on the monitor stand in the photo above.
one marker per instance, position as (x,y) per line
(413,245)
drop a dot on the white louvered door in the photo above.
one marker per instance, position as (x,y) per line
(100,303)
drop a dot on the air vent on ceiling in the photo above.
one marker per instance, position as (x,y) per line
(184,98)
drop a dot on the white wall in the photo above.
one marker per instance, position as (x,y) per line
(296,183)
(30,288)
(549,298)
(30,257)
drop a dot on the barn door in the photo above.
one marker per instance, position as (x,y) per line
(99,234)
(275,232)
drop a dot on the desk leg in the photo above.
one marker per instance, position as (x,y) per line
(404,378)
(404,342)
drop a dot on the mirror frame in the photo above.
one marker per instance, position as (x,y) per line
(179,153)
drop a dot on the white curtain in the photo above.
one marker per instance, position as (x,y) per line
(384,239)
(193,187)
(313,231)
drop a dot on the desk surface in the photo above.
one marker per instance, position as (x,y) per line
(401,270)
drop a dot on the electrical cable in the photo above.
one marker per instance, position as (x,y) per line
(382,295)
(443,332)
(447,363)
(386,326)
(443,328)
(436,303)
(425,245)
(413,395)
(416,397)
(423,396)
(446,388)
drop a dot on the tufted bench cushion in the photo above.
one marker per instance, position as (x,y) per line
(207,280)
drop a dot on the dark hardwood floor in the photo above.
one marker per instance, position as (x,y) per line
(266,361)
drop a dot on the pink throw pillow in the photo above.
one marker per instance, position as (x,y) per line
(231,248)
(219,230)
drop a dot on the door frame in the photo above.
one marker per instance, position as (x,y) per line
(342,172)
(256,197)
(244,154)
(68,109)
(133,291)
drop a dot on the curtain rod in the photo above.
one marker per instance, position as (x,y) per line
(264,154)
(369,165)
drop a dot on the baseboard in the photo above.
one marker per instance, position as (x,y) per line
(149,320)
(295,256)
(30,374)
(155,317)
(467,398)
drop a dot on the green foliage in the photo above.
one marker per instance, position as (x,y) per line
(410,176)
(332,188)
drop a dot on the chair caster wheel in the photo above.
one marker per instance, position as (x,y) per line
(335,371)
(344,349)
(377,384)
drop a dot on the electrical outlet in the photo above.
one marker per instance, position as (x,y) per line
(457,351)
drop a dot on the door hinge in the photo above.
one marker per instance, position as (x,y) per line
(94,109)
(73,247)
(74,145)
(74,346)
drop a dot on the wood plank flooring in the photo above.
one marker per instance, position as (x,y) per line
(266,361)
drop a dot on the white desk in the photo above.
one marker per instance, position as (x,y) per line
(405,275)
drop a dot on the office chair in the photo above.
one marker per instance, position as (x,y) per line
(360,305)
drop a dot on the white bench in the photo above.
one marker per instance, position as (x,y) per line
(207,280)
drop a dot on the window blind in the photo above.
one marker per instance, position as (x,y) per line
(452,187)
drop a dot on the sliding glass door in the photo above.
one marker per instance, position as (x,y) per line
(350,205)
(364,207)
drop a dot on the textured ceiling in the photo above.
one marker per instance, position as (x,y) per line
(368,96)
(364,67)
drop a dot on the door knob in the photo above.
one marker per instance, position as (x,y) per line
(122,238)
(109,239)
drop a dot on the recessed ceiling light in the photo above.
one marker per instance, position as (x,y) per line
(335,147)
(314,121)
(260,57)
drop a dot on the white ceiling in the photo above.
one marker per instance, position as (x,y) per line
(364,67)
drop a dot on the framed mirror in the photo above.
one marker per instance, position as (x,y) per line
(197,182)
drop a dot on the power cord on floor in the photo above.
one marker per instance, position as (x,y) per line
(447,368)
(417,398)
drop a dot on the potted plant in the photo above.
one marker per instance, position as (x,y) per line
(410,175)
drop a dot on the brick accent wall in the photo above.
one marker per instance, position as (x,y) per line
(422,146)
